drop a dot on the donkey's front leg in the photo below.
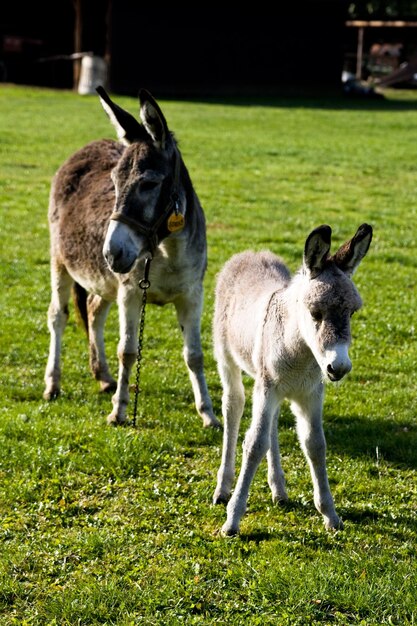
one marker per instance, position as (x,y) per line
(129,309)
(189,318)
(256,444)
(308,412)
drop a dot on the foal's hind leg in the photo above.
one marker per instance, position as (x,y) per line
(233,402)
(61,283)
(276,478)
(98,309)
(189,316)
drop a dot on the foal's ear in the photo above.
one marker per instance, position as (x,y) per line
(128,129)
(153,119)
(348,257)
(316,250)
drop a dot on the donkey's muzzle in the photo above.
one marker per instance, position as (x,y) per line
(122,247)
(119,262)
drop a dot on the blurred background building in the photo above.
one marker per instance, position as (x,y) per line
(202,49)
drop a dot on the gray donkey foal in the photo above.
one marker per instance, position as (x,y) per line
(289,335)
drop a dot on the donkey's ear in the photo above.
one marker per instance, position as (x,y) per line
(153,119)
(316,250)
(128,129)
(348,257)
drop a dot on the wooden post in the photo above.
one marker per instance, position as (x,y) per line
(108,41)
(77,43)
(359,53)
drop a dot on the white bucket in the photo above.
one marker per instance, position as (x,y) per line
(93,73)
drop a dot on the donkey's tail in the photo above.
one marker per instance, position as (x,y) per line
(79,295)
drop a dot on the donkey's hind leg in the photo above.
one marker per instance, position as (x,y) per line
(189,316)
(233,402)
(61,283)
(97,310)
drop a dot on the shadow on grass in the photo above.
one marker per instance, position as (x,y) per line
(393,442)
(317,537)
(335,100)
(257,537)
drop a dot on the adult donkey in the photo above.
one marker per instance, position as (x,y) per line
(289,335)
(113,207)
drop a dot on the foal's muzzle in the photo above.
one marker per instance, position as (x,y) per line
(335,374)
(337,363)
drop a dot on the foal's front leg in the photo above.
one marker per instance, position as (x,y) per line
(189,318)
(308,412)
(256,444)
(129,309)
(233,402)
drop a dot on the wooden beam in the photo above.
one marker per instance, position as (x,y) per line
(381,24)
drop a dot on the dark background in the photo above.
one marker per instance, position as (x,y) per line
(202,50)
(198,49)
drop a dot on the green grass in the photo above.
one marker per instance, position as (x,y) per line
(115,526)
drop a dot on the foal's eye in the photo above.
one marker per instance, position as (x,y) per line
(317,316)
(148,185)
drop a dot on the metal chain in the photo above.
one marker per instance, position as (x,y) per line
(144,285)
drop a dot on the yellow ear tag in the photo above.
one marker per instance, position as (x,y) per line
(176,222)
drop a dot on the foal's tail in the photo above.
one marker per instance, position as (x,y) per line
(79,295)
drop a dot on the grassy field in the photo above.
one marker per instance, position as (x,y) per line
(115,526)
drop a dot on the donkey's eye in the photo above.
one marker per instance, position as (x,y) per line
(148,185)
(317,316)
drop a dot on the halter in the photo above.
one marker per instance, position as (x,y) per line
(151,231)
(151,234)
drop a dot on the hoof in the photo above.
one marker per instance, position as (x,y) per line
(210,421)
(108,386)
(227,531)
(334,525)
(280,500)
(114,420)
(220,498)
(51,394)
